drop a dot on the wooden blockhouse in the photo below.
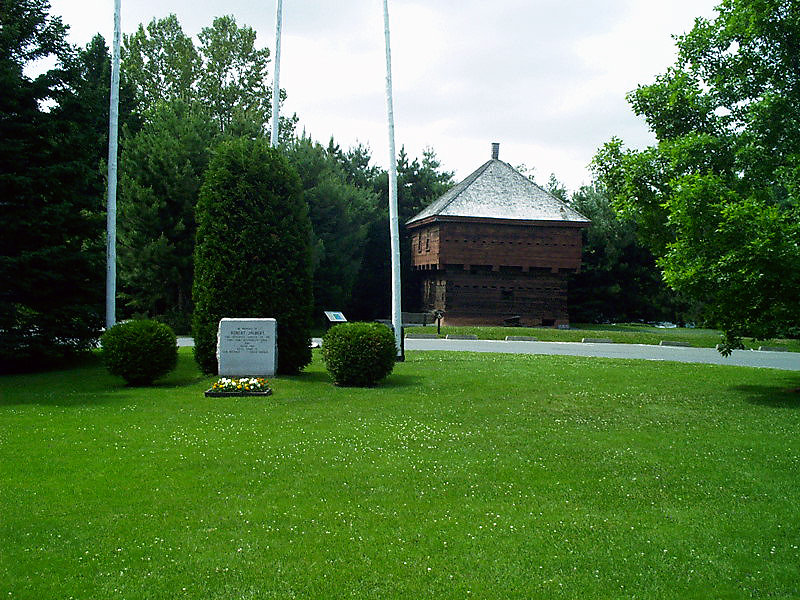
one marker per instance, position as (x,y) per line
(497,248)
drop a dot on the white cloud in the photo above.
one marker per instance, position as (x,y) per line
(546,78)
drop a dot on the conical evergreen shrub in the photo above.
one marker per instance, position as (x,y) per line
(253,251)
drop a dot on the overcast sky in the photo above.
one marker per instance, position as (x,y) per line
(545,78)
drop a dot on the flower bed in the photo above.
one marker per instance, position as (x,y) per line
(243,386)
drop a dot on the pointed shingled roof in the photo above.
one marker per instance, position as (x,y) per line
(498,191)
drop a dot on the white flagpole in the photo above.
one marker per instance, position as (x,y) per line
(276,90)
(111,211)
(397,319)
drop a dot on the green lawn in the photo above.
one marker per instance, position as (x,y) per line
(628,333)
(462,476)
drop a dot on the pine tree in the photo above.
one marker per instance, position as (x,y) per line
(418,184)
(340,214)
(160,180)
(50,250)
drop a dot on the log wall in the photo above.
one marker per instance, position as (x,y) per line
(489,297)
(496,245)
(482,272)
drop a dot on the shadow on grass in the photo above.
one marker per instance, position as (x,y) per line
(392,381)
(173,381)
(310,377)
(400,381)
(44,365)
(65,399)
(786,395)
(88,383)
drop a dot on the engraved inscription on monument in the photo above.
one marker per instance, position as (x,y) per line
(247,347)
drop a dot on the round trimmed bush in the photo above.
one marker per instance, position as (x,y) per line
(359,354)
(140,351)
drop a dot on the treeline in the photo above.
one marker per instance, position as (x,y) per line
(178,102)
(619,280)
(186,100)
(713,205)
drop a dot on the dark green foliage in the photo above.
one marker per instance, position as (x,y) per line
(253,251)
(619,280)
(90,68)
(717,199)
(372,291)
(359,354)
(140,351)
(355,163)
(160,180)
(340,213)
(50,196)
(418,184)
(29,33)
(558,189)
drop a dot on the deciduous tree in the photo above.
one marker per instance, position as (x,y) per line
(717,197)
(161,62)
(233,81)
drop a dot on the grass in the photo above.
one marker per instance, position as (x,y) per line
(462,476)
(622,334)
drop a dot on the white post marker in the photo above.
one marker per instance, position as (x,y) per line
(111,208)
(276,89)
(394,235)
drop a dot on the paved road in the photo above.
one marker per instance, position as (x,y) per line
(788,361)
